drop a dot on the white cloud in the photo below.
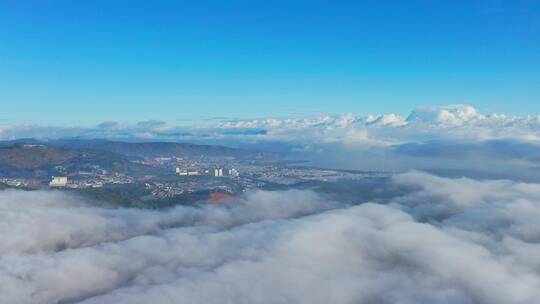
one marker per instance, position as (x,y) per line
(386,120)
(445,241)
(454,122)
(449,115)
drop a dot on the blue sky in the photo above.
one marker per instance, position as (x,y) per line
(84,62)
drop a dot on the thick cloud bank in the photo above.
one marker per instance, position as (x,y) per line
(446,241)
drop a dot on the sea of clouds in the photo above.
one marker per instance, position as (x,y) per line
(444,241)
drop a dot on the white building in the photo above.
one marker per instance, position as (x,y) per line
(234,173)
(58,181)
(218,172)
(187,172)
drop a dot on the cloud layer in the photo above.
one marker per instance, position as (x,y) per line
(463,122)
(445,241)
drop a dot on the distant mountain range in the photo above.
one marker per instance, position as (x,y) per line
(143,149)
(42,161)
(42,158)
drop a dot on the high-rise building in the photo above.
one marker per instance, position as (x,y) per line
(218,172)
(234,173)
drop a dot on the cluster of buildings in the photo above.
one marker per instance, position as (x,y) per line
(164,190)
(89,180)
(234,173)
(172,188)
(187,172)
(20,182)
(216,172)
(58,181)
